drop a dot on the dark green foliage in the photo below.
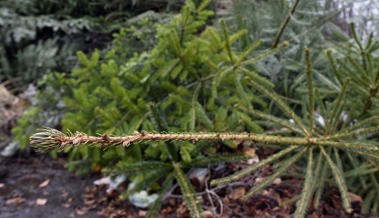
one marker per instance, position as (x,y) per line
(41,36)
(174,87)
(359,61)
(198,79)
(48,109)
(310,25)
(111,10)
(32,45)
(185,83)
(333,128)
(356,60)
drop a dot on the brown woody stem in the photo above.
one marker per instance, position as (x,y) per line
(49,139)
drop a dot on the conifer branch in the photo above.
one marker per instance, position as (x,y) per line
(311,101)
(49,139)
(284,24)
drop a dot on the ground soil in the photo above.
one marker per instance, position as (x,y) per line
(39,187)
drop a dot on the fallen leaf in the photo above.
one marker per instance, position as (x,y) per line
(226,200)
(181,209)
(355,198)
(277,181)
(41,201)
(259,180)
(250,152)
(97,168)
(88,195)
(44,183)
(81,211)
(237,193)
(89,202)
(142,213)
(207,214)
(66,205)
(198,176)
(69,200)
(64,193)
(15,201)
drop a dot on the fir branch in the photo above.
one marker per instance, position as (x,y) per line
(273,119)
(253,168)
(188,192)
(311,101)
(284,166)
(284,24)
(227,42)
(341,184)
(156,206)
(355,132)
(49,139)
(284,106)
(307,192)
(331,124)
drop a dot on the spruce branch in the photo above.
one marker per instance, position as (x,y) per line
(253,168)
(284,24)
(311,101)
(340,181)
(48,139)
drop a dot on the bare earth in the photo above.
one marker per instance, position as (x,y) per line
(41,188)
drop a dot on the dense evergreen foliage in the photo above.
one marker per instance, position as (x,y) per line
(291,78)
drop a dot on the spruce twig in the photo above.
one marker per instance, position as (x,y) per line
(311,101)
(49,139)
(284,24)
